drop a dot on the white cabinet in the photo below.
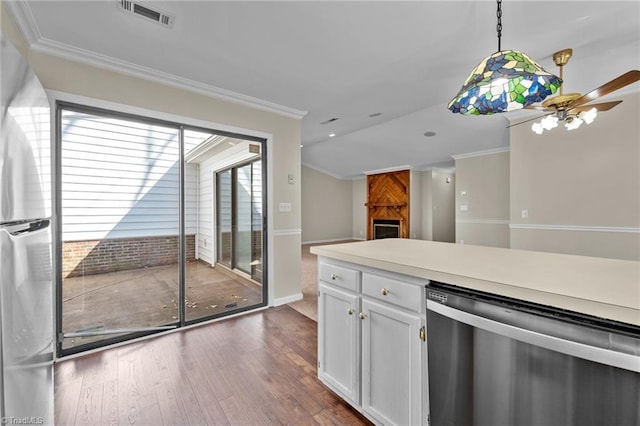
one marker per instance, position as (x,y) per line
(391,364)
(339,351)
(371,348)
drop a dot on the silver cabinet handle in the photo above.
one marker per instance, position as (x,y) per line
(362,315)
(384,291)
(334,276)
(350,311)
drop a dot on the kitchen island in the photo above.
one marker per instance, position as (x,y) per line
(606,288)
(372,309)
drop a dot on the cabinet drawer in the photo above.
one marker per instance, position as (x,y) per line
(341,277)
(405,295)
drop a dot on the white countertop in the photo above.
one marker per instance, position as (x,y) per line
(606,288)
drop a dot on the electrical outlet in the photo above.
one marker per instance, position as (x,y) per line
(464,208)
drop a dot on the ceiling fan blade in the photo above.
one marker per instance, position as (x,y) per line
(537,107)
(603,106)
(531,119)
(615,84)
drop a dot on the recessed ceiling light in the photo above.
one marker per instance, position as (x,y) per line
(375,114)
(331,135)
(429,134)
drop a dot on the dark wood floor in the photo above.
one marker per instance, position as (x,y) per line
(256,369)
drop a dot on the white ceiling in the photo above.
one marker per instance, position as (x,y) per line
(347,60)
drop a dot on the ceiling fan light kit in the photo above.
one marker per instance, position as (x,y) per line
(571,122)
(571,107)
(504,81)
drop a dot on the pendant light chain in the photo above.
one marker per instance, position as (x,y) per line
(499,25)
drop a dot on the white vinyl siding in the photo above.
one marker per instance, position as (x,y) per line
(120,179)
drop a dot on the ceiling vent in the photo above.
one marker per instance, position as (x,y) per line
(151,13)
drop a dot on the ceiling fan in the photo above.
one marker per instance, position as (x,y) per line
(574,108)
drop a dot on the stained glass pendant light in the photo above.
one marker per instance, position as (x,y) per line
(504,81)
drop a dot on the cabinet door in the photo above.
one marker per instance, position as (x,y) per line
(338,337)
(391,364)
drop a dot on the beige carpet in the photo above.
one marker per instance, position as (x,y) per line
(308,306)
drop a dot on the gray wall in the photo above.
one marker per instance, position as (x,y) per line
(574,192)
(359,210)
(484,177)
(443,206)
(327,203)
(581,188)
(426,211)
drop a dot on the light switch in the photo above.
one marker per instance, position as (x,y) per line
(290,179)
(525,214)
(285,207)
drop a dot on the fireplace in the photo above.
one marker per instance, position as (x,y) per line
(388,205)
(386,228)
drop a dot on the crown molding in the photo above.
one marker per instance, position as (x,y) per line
(481,153)
(388,170)
(23,18)
(27,26)
(446,171)
(323,171)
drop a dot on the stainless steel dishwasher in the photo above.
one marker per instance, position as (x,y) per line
(498,361)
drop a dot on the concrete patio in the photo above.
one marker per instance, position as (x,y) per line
(147,297)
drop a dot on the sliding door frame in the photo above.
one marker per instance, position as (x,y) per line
(60,105)
(234,211)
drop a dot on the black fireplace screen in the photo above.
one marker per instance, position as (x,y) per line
(386,228)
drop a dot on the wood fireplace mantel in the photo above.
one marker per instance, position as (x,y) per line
(388,198)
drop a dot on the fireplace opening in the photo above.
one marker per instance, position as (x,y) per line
(386,228)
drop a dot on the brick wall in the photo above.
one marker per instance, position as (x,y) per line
(120,254)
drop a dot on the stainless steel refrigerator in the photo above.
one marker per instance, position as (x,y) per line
(26,275)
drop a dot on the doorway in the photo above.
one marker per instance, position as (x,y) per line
(239,219)
(135,228)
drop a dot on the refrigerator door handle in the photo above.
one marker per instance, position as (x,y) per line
(580,350)
(16,229)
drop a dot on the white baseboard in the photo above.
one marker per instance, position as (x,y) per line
(287,299)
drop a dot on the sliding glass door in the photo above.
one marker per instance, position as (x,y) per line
(224,275)
(136,233)
(119,222)
(240,219)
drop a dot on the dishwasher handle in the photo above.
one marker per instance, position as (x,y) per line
(568,347)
